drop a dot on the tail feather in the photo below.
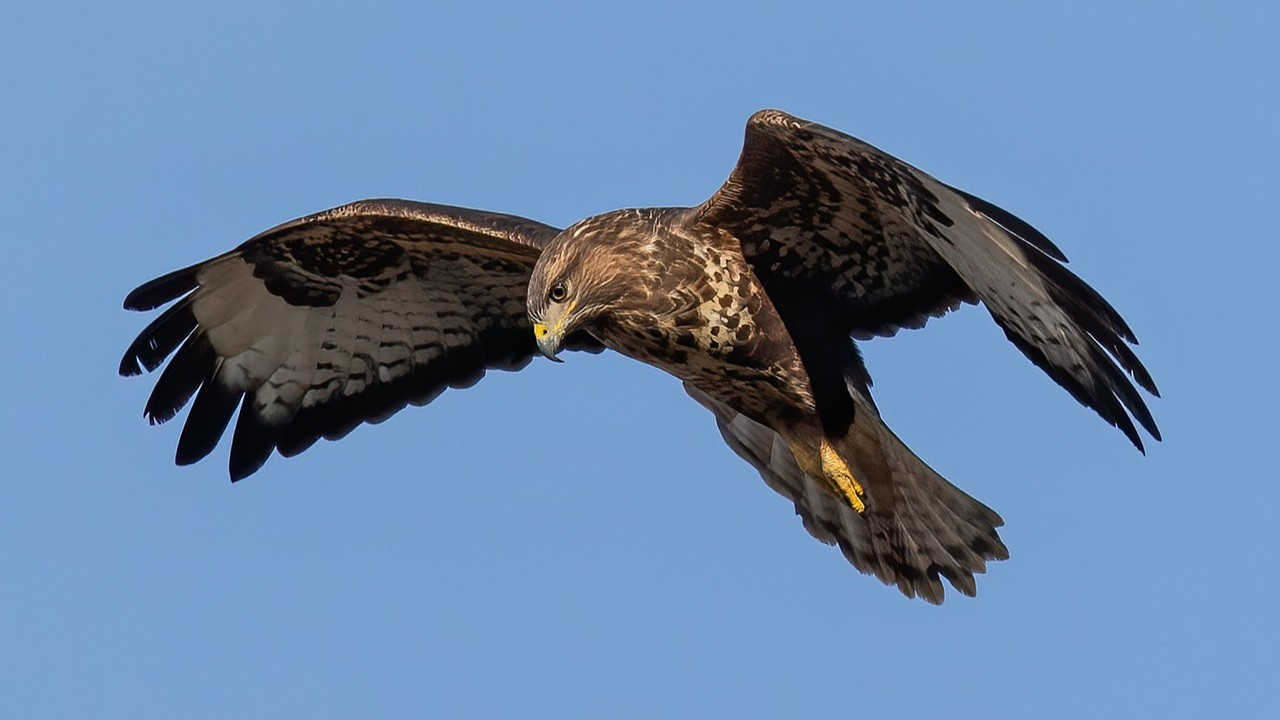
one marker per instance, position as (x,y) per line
(917,529)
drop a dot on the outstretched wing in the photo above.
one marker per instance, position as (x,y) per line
(335,319)
(883,245)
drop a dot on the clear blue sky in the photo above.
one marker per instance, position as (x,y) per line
(575,540)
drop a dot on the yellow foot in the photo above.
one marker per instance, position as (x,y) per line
(840,477)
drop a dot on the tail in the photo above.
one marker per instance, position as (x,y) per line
(917,527)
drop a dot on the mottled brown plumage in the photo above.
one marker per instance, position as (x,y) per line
(752,299)
(679,296)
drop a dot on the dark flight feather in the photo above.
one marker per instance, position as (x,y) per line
(479,259)
(347,316)
(251,442)
(813,206)
(181,378)
(158,339)
(164,289)
(208,419)
(1014,224)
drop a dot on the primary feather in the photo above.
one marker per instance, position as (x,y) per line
(751,298)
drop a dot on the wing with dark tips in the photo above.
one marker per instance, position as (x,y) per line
(335,319)
(883,245)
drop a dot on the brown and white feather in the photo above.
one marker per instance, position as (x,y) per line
(752,299)
(338,318)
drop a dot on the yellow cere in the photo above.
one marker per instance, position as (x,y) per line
(539,330)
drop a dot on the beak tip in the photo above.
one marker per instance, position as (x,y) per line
(547,345)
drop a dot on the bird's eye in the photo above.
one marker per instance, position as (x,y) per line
(558,292)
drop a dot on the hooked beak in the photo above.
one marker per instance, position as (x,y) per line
(548,342)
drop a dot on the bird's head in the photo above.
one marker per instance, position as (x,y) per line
(580,279)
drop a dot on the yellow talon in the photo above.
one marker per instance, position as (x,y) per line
(841,478)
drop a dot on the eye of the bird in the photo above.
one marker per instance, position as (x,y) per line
(558,292)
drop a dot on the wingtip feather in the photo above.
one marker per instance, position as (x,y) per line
(252,442)
(154,293)
(1020,228)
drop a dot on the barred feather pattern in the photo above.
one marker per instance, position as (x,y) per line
(751,298)
(887,246)
(933,531)
(339,318)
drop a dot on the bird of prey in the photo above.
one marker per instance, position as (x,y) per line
(753,299)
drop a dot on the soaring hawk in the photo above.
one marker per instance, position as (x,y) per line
(752,299)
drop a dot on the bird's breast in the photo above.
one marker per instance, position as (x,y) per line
(708,322)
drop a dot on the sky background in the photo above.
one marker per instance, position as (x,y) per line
(575,540)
